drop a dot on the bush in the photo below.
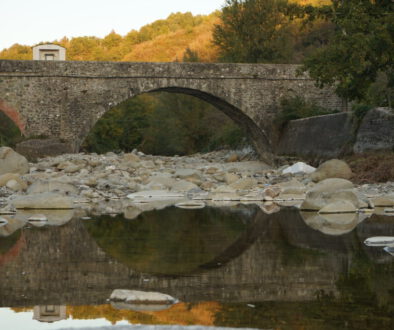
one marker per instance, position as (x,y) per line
(10,134)
(360,110)
(372,167)
(296,108)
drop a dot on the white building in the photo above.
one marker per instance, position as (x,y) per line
(49,52)
(49,313)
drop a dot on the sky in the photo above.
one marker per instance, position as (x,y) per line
(28,22)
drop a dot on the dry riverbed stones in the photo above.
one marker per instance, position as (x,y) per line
(135,182)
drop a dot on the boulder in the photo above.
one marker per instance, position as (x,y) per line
(14,185)
(211,170)
(190,205)
(155,194)
(333,168)
(315,201)
(272,191)
(47,200)
(224,196)
(230,178)
(12,162)
(331,224)
(383,201)
(244,184)
(50,217)
(269,208)
(332,185)
(73,168)
(186,173)
(291,187)
(39,148)
(341,206)
(380,241)
(299,167)
(52,186)
(329,191)
(130,157)
(183,185)
(6,178)
(142,297)
(11,226)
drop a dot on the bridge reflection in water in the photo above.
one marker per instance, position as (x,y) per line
(229,255)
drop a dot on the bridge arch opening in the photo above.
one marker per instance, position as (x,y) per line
(228,123)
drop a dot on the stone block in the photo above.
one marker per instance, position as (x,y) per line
(376,131)
(39,148)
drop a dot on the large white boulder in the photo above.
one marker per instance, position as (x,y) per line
(142,297)
(299,167)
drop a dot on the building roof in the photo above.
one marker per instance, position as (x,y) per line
(48,46)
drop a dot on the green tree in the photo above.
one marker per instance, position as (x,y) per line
(9,132)
(254,31)
(361,48)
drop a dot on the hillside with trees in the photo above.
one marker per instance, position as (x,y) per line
(164,40)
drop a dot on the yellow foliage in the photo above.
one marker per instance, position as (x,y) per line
(17,52)
(161,41)
(171,46)
(182,313)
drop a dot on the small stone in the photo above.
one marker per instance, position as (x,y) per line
(211,170)
(232,158)
(5,178)
(230,178)
(14,185)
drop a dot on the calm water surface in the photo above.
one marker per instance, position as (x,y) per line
(230,266)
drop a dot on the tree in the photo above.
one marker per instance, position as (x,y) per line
(254,31)
(361,48)
(190,56)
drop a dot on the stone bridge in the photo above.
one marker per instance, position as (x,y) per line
(65,99)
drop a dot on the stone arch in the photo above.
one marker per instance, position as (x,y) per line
(258,137)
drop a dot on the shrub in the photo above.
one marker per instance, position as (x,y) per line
(372,167)
(296,108)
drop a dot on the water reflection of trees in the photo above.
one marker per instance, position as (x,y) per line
(173,240)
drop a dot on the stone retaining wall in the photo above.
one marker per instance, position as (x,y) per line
(334,135)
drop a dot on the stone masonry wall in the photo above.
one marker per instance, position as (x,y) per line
(334,135)
(65,99)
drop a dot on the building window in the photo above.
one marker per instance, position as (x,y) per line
(49,57)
